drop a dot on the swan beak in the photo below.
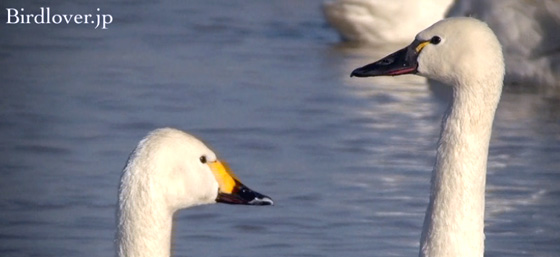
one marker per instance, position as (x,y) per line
(404,61)
(232,191)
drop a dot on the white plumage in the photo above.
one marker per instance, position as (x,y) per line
(170,170)
(464,53)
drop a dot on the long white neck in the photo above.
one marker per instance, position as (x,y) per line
(454,222)
(144,224)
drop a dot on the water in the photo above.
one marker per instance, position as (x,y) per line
(266,84)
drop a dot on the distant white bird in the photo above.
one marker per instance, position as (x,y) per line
(383,22)
(170,170)
(530,35)
(464,53)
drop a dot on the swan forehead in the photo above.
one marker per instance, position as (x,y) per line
(182,143)
(461,28)
(199,149)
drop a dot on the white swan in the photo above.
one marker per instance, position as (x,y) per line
(170,170)
(382,22)
(466,54)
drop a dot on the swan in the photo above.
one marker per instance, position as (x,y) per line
(170,170)
(464,53)
(382,22)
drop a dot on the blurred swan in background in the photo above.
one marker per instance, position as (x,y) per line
(529,32)
(170,170)
(382,22)
(465,53)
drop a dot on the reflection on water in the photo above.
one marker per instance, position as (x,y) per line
(346,160)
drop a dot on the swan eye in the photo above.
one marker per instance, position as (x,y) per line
(435,40)
(203,159)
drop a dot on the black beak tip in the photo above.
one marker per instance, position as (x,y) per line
(400,62)
(370,70)
(244,195)
(262,201)
(357,73)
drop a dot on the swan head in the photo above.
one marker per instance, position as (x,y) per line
(173,168)
(451,51)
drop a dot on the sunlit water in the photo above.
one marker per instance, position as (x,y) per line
(266,84)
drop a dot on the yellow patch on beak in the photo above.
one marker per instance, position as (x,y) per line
(225,177)
(421,46)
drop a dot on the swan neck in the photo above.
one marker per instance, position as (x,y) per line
(144,228)
(454,222)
